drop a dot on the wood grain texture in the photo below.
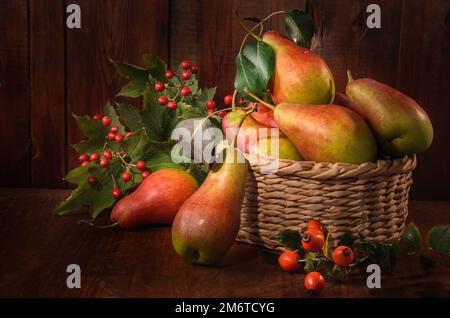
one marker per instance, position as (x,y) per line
(48,114)
(120,29)
(423,74)
(14,94)
(346,43)
(36,248)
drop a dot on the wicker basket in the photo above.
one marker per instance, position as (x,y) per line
(371,198)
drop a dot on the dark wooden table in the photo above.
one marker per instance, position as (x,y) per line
(36,248)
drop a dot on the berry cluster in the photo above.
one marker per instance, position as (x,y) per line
(312,241)
(104,161)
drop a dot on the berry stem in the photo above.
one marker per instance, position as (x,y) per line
(114,180)
(91,223)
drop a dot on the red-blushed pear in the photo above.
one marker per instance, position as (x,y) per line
(300,76)
(286,149)
(327,133)
(401,125)
(156,200)
(207,223)
(264,115)
(341,100)
(249,131)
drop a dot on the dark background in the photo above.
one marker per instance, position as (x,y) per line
(48,72)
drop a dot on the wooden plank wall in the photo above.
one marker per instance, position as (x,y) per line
(48,72)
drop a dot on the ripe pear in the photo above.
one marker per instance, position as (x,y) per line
(264,115)
(207,223)
(249,131)
(286,149)
(156,200)
(400,124)
(300,76)
(327,133)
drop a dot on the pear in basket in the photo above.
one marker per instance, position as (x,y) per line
(207,223)
(400,124)
(300,75)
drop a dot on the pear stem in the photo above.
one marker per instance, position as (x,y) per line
(257,38)
(260,24)
(259,100)
(349,76)
(233,103)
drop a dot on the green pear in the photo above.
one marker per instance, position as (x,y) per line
(400,124)
(286,149)
(206,225)
(300,76)
(327,133)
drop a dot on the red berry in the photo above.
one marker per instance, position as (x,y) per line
(194,69)
(228,100)
(163,100)
(126,176)
(313,240)
(185,75)
(129,133)
(83,157)
(315,225)
(97,116)
(185,91)
(114,129)
(222,113)
(94,157)
(172,105)
(119,137)
(289,261)
(314,282)
(92,180)
(84,163)
(141,165)
(116,193)
(145,174)
(104,162)
(159,87)
(343,255)
(185,64)
(106,121)
(111,136)
(107,154)
(169,74)
(211,104)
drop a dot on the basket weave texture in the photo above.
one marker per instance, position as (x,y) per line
(370,198)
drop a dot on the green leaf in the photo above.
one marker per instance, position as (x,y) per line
(439,239)
(94,132)
(347,239)
(262,56)
(339,273)
(427,264)
(131,117)
(98,198)
(138,146)
(130,72)
(290,238)
(310,265)
(109,111)
(300,26)
(199,171)
(247,78)
(156,66)
(205,95)
(411,237)
(133,89)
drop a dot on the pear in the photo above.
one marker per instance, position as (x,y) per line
(286,149)
(207,223)
(264,115)
(300,76)
(401,125)
(327,133)
(249,130)
(156,200)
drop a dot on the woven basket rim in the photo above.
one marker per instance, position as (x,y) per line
(340,170)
